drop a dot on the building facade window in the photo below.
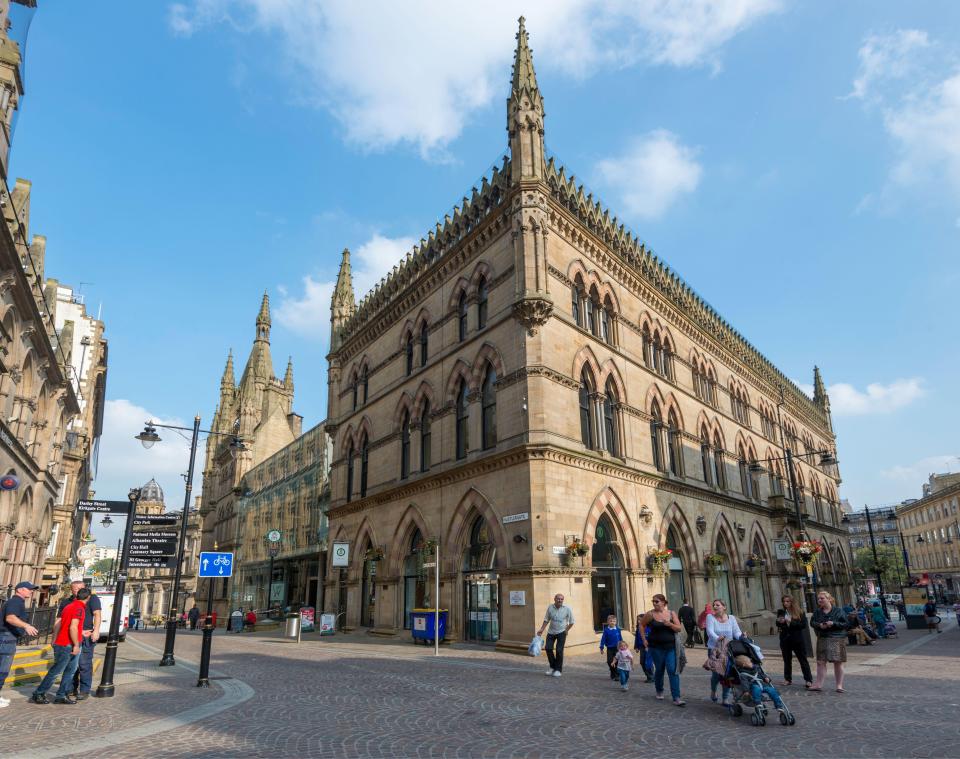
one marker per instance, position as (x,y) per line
(675,445)
(611,431)
(353,389)
(364,465)
(463,417)
(587,433)
(575,307)
(719,468)
(482,303)
(656,436)
(425,438)
(705,458)
(424,337)
(408,351)
(488,402)
(405,446)
(350,472)
(462,317)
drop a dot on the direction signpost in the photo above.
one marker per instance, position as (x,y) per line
(213,565)
(104,507)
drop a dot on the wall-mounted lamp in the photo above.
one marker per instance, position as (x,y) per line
(701,524)
(518,538)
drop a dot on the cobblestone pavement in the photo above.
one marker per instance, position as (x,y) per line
(355,696)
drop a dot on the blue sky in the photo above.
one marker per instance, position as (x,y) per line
(797,163)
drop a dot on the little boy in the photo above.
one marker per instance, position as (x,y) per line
(758,685)
(624,661)
(610,639)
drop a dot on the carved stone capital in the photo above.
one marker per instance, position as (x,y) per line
(532,312)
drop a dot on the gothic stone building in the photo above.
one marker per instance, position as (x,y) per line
(259,411)
(530,375)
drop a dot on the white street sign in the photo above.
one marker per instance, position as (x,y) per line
(781,549)
(341,555)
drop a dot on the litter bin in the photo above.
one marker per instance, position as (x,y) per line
(422,621)
(292,629)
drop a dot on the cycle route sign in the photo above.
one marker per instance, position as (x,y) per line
(216,564)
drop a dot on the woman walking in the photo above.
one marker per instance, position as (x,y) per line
(792,622)
(830,624)
(720,625)
(662,645)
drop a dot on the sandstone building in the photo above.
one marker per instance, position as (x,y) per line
(259,411)
(531,376)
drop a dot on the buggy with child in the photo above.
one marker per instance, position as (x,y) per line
(750,685)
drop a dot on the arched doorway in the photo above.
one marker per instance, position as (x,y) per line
(676,579)
(756,585)
(721,576)
(481,586)
(606,583)
(368,595)
(415,586)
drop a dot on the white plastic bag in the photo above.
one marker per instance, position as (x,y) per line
(536,646)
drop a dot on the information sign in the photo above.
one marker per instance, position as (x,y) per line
(273,536)
(104,507)
(158,520)
(781,549)
(341,555)
(307,616)
(216,564)
(327,623)
(153,562)
(518,598)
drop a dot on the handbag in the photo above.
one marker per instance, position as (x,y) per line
(717,658)
(697,636)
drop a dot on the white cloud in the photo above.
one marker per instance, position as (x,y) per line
(308,314)
(913,83)
(653,172)
(124,463)
(877,398)
(413,72)
(921,470)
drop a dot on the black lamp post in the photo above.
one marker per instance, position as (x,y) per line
(106,687)
(147,438)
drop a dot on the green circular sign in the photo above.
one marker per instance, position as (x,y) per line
(273,536)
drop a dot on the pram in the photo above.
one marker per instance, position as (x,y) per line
(741,679)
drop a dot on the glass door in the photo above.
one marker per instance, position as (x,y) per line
(482,595)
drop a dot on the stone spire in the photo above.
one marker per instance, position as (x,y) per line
(288,377)
(525,115)
(227,381)
(820,397)
(342,304)
(263,318)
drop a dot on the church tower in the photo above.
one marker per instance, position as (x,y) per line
(525,115)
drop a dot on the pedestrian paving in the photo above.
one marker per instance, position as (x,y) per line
(361,696)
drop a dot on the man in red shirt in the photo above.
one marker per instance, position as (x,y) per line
(66,651)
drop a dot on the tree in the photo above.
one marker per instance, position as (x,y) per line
(890,559)
(101,567)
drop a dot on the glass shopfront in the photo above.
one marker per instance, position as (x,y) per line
(481,587)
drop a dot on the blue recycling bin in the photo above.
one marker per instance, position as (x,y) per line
(421,624)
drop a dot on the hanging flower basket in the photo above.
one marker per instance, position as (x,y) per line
(806,552)
(714,562)
(427,547)
(374,554)
(577,548)
(755,563)
(658,561)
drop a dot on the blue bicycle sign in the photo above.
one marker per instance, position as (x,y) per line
(214,564)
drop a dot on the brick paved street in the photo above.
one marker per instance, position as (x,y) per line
(355,697)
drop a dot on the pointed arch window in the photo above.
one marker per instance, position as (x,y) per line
(775,480)
(666,360)
(608,322)
(425,435)
(482,303)
(408,351)
(576,297)
(705,458)
(350,472)
(607,582)
(488,408)
(424,337)
(405,446)
(656,436)
(675,445)
(365,382)
(611,431)
(463,418)
(364,462)
(647,348)
(587,432)
(353,389)
(591,320)
(719,468)
(746,483)
(462,317)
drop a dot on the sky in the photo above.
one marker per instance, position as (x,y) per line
(797,163)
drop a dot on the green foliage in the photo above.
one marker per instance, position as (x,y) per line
(100,567)
(890,559)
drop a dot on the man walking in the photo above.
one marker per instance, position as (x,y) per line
(83,679)
(14,626)
(194,616)
(688,618)
(559,619)
(930,612)
(66,651)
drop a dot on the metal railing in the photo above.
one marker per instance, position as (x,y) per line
(43,618)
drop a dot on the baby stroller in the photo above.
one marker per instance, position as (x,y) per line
(741,679)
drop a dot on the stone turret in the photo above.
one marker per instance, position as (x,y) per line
(343,304)
(288,377)
(525,115)
(227,381)
(263,319)
(820,397)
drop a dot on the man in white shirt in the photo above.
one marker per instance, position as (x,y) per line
(559,618)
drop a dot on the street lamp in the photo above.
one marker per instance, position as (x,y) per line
(106,687)
(106,521)
(826,459)
(147,438)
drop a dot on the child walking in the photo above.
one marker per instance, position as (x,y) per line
(624,660)
(610,640)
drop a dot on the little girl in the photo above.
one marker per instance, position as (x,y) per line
(624,663)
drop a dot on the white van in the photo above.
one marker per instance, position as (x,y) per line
(892,598)
(106,601)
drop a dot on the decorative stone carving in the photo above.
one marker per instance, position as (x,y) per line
(533,313)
